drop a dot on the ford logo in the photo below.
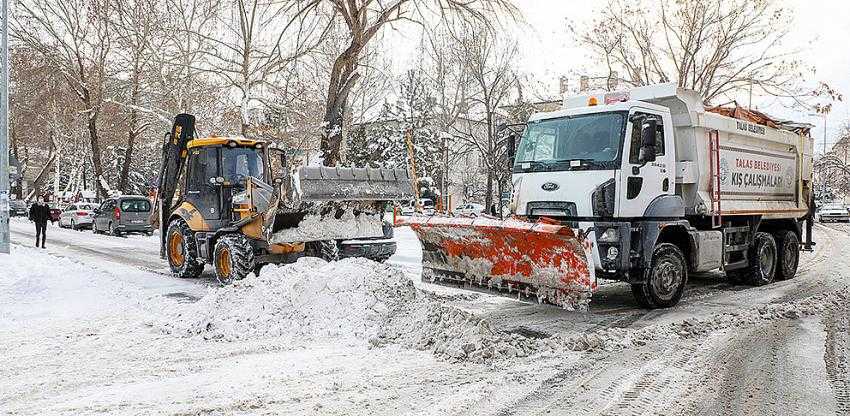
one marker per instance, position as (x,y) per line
(550,186)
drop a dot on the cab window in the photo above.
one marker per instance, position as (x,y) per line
(634,152)
(240,163)
(203,165)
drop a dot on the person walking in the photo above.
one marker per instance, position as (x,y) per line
(40,214)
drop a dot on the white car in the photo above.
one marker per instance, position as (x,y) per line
(833,213)
(469,210)
(409,208)
(77,216)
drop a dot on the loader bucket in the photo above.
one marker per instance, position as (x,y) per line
(330,203)
(544,259)
(353,184)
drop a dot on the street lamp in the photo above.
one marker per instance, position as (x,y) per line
(4,128)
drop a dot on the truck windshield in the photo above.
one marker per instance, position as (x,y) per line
(590,141)
(240,163)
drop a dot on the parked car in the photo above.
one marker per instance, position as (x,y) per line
(469,210)
(409,208)
(55,212)
(18,208)
(833,213)
(428,207)
(123,215)
(77,216)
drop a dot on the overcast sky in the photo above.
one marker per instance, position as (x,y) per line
(821,31)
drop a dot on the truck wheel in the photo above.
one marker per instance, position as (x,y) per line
(762,260)
(233,258)
(667,277)
(788,254)
(182,251)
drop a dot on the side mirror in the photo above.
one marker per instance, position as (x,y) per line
(648,141)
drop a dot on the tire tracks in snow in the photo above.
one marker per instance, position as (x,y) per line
(837,357)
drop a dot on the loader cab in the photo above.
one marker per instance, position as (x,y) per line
(217,169)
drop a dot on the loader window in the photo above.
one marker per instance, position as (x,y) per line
(240,163)
(203,165)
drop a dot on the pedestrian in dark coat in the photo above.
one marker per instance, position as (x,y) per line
(40,214)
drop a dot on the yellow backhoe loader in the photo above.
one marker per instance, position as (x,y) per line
(236,204)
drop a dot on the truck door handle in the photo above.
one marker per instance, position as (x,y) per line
(665,185)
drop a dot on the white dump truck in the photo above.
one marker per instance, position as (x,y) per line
(643,186)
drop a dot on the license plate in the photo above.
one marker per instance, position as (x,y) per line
(137,221)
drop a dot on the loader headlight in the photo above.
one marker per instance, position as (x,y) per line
(610,235)
(613,253)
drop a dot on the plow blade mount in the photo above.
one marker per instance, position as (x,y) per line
(543,259)
(330,203)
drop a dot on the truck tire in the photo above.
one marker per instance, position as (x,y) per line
(763,254)
(233,258)
(788,254)
(666,280)
(640,296)
(182,251)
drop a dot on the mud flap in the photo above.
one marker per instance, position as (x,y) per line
(545,259)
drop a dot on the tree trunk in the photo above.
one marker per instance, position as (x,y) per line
(342,81)
(132,132)
(488,199)
(42,174)
(95,149)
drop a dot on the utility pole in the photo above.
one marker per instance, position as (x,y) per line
(4,129)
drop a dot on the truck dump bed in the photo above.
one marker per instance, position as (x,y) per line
(756,169)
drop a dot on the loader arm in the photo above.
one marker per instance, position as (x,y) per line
(173,158)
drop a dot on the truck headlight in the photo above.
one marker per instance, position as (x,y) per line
(610,235)
(613,253)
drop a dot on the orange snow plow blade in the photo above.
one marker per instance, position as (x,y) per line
(544,259)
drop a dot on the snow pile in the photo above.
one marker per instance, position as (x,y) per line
(310,300)
(355,301)
(449,332)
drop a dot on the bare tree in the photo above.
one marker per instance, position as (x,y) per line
(718,48)
(134,29)
(489,65)
(73,37)
(364,20)
(255,41)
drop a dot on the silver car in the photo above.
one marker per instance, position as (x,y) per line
(123,215)
(77,216)
(834,213)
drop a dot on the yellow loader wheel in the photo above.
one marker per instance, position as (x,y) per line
(182,251)
(233,258)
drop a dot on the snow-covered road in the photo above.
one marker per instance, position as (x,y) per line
(88,326)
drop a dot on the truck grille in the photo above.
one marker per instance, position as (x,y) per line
(553,209)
